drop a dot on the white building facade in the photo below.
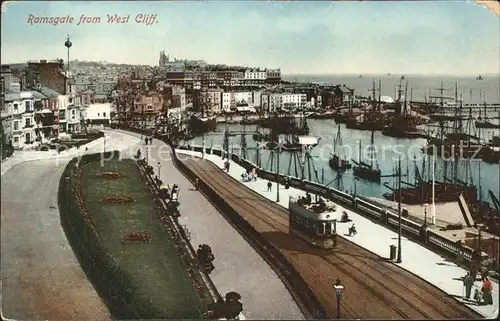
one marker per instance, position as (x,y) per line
(293,101)
(22,107)
(97,114)
(252,74)
(226,102)
(243,97)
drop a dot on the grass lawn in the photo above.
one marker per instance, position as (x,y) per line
(155,267)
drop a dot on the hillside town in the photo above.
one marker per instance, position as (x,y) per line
(50,99)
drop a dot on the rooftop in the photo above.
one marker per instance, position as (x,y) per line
(49,93)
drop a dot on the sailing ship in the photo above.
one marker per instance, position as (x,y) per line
(365,170)
(484,123)
(259,136)
(479,77)
(455,142)
(403,125)
(200,124)
(420,190)
(285,124)
(322,115)
(336,162)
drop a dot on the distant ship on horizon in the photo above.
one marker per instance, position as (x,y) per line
(479,77)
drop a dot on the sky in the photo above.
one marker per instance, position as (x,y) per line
(313,37)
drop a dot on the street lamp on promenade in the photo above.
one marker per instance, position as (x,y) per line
(339,289)
(399,259)
(425,214)
(147,155)
(355,180)
(278,172)
(159,165)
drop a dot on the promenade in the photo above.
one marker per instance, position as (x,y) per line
(41,277)
(238,267)
(416,259)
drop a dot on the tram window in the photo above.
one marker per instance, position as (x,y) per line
(328,228)
(320,229)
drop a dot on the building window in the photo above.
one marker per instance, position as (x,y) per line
(16,139)
(16,125)
(16,108)
(104,115)
(28,122)
(28,105)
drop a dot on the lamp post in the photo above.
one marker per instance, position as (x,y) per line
(278,173)
(339,289)
(399,260)
(159,165)
(425,214)
(147,155)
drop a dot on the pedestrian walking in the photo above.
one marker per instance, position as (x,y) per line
(468,283)
(487,289)
(269,186)
(146,140)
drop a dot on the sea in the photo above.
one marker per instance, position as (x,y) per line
(419,86)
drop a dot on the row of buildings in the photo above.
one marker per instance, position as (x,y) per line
(40,102)
(266,101)
(152,97)
(179,85)
(204,79)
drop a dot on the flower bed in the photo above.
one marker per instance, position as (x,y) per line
(110,175)
(137,237)
(118,199)
(81,202)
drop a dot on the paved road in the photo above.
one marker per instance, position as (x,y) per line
(238,267)
(41,277)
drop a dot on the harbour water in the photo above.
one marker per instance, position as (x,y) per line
(388,151)
(489,85)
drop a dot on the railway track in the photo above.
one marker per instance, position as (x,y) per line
(377,288)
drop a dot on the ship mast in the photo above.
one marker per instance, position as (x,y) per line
(379,92)
(374,104)
(406,93)
(433,207)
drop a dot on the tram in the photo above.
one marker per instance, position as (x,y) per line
(314,222)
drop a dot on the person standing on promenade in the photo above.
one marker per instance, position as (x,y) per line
(269,186)
(468,283)
(487,289)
